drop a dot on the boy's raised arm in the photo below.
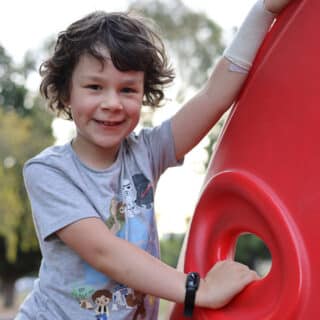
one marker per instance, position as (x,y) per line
(200,113)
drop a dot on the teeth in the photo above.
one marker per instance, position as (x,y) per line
(109,123)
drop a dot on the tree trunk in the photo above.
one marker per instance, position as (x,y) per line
(8,292)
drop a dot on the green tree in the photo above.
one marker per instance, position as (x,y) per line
(193,39)
(13,91)
(195,42)
(170,246)
(24,131)
(20,138)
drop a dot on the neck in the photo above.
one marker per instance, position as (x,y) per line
(93,156)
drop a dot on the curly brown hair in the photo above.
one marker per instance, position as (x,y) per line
(131,42)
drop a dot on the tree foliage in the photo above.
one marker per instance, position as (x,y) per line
(193,39)
(170,246)
(13,91)
(25,130)
(20,139)
(194,44)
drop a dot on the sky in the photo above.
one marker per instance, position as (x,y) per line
(25,25)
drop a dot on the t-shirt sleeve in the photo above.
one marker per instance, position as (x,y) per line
(55,200)
(160,144)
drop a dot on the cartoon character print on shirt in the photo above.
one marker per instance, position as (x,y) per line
(116,220)
(121,298)
(131,218)
(83,294)
(138,195)
(102,299)
(129,196)
(144,191)
(127,298)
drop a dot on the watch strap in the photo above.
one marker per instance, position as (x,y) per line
(192,285)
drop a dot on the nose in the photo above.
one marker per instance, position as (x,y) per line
(111,101)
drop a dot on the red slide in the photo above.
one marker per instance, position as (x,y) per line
(264,177)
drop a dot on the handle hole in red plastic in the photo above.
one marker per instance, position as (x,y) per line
(253,252)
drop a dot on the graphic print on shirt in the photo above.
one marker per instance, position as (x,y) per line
(144,191)
(137,195)
(129,197)
(102,299)
(130,217)
(124,297)
(116,220)
(83,295)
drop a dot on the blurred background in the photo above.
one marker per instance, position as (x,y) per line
(195,33)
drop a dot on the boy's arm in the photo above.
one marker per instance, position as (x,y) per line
(199,114)
(193,121)
(129,265)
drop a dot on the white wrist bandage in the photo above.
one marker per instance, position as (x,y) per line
(249,37)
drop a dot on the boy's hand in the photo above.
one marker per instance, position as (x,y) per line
(276,6)
(225,280)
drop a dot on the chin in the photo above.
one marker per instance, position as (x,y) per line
(109,145)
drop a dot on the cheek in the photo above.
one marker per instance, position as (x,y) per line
(134,109)
(82,107)
(76,112)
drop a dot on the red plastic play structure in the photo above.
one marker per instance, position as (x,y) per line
(264,177)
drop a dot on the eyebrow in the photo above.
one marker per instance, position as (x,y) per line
(130,80)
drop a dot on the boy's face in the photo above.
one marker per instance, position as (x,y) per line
(105,104)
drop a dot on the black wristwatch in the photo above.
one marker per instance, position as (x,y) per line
(192,285)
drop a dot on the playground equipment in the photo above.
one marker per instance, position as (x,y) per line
(264,177)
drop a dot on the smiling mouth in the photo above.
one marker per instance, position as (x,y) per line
(110,123)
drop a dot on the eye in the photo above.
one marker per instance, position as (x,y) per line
(94,87)
(128,90)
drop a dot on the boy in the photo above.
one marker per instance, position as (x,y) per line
(92,199)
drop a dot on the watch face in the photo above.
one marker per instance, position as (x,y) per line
(193,280)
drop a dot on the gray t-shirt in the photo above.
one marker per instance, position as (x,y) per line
(63,190)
